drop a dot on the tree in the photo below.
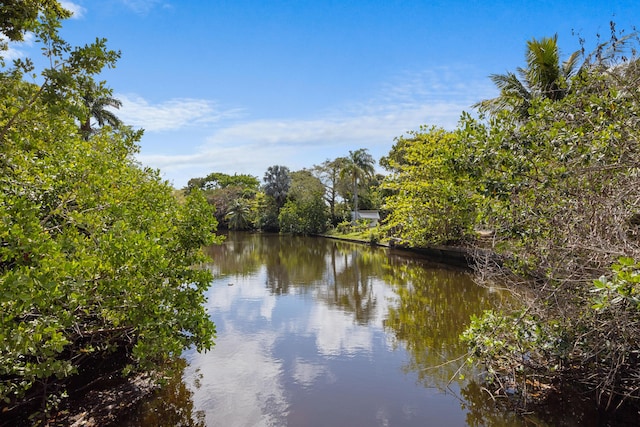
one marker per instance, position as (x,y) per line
(305,216)
(560,190)
(430,201)
(19,16)
(544,77)
(232,196)
(358,166)
(97,256)
(305,211)
(329,174)
(219,180)
(96,99)
(276,183)
(305,186)
(238,216)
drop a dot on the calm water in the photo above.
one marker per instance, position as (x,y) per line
(316,332)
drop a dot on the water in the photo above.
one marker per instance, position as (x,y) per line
(317,332)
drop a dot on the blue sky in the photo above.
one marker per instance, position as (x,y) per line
(236,86)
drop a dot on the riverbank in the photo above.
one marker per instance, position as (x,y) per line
(104,400)
(105,405)
(455,255)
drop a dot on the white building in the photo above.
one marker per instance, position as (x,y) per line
(373,216)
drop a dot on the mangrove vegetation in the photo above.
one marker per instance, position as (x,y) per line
(540,186)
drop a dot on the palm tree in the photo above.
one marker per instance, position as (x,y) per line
(277,181)
(96,99)
(545,77)
(358,165)
(238,216)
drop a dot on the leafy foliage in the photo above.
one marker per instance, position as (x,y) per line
(329,174)
(232,196)
(430,201)
(544,77)
(277,181)
(97,257)
(560,190)
(219,180)
(305,211)
(307,216)
(96,99)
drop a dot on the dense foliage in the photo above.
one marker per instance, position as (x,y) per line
(552,174)
(305,211)
(562,194)
(96,255)
(430,200)
(300,202)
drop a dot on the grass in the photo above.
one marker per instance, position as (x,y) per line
(362,234)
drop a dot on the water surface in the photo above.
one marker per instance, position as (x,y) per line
(318,332)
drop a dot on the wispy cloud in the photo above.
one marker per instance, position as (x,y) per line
(170,115)
(145,6)
(434,97)
(77,10)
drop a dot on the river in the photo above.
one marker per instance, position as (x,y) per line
(320,332)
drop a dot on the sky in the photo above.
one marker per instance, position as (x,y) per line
(236,86)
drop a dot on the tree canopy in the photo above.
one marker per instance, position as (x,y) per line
(97,257)
(277,181)
(430,199)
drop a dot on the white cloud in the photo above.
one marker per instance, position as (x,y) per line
(242,381)
(433,97)
(386,123)
(169,115)
(14,50)
(337,334)
(144,6)
(77,10)
(307,373)
(251,146)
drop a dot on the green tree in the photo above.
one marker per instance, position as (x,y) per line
(329,174)
(277,181)
(544,77)
(306,216)
(561,193)
(358,167)
(238,216)
(304,185)
(96,254)
(19,16)
(305,211)
(219,180)
(266,213)
(430,199)
(231,195)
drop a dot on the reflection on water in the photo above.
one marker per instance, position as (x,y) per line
(316,332)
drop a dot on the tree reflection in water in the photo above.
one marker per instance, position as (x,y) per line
(170,406)
(420,308)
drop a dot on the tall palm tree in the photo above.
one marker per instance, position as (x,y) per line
(544,77)
(96,99)
(277,181)
(358,165)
